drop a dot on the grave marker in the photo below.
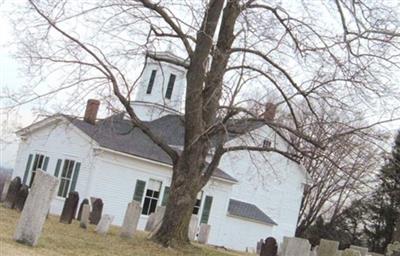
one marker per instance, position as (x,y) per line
(104,224)
(204,232)
(36,207)
(84,220)
(269,247)
(84,201)
(21,197)
(193,227)
(97,209)
(12,192)
(327,248)
(69,209)
(131,219)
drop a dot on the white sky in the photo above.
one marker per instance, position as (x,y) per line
(10,77)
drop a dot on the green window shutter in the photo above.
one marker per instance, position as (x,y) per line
(28,165)
(139,190)
(206,209)
(166,196)
(58,166)
(75,177)
(46,163)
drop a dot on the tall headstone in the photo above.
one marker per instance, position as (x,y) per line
(21,197)
(158,217)
(69,209)
(328,248)
(204,232)
(362,250)
(269,247)
(12,192)
(131,219)
(84,201)
(84,220)
(193,227)
(36,207)
(97,210)
(150,222)
(295,246)
(351,252)
(259,245)
(5,189)
(104,224)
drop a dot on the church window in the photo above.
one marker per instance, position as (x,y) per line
(151,197)
(151,81)
(69,176)
(196,208)
(170,86)
(40,162)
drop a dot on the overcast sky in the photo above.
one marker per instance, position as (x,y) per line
(10,77)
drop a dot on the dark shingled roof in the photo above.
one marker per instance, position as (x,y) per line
(248,211)
(118,134)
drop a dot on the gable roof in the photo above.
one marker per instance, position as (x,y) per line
(248,211)
(118,134)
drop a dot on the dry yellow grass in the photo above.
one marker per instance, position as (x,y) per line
(61,240)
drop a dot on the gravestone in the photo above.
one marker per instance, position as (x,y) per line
(150,222)
(158,217)
(362,250)
(269,247)
(204,232)
(259,245)
(21,197)
(351,252)
(84,201)
(131,219)
(69,209)
(84,220)
(327,248)
(104,224)
(5,189)
(295,246)
(36,207)
(193,227)
(97,209)
(12,192)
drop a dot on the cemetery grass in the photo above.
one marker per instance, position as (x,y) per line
(63,239)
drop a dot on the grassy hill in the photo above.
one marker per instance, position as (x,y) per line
(62,240)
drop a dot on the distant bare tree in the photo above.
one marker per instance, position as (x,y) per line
(333,55)
(345,171)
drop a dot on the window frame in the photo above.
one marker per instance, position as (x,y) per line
(170,86)
(38,157)
(65,191)
(151,81)
(154,198)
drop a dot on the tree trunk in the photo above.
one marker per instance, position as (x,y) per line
(182,198)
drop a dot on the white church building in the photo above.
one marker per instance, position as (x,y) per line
(251,195)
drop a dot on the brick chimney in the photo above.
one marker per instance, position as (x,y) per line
(92,107)
(270,111)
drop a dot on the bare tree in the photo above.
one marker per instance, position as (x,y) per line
(346,170)
(331,55)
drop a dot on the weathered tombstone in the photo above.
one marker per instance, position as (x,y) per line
(104,224)
(69,209)
(362,250)
(84,201)
(21,197)
(351,252)
(131,219)
(193,227)
(314,251)
(36,207)
(295,246)
(393,249)
(204,232)
(269,247)
(97,209)
(158,217)
(150,222)
(328,248)
(5,189)
(84,220)
(12,192)
(259,245)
